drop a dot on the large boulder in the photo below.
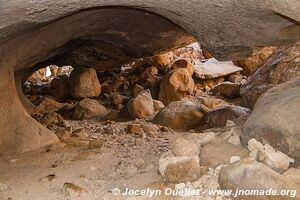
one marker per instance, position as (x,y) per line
(180,115)
(259,55)
(176,85)
(89,108)
(275,119)
(219,116)
(84,83)
(279,68)
(61,87)
(248,174)
(141,106)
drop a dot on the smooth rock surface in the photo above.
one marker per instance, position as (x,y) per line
(213,68)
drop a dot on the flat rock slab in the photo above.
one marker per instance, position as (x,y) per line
(213,68)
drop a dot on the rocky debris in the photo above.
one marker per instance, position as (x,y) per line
(89,108)
(47,105)
(192,52)
(180,115)
(141,106)
(228,89)
(237,78)
(184,147)
(162,61)
(84,83)
(134,128)
(61,88)
(219,152)
(73,190)
(207,84)
(51,118)
(179,169)
(249,174)
(259,55)
(176,85)
(274,119)
(213,68)
(282,66)
(266,154)
(218,117)
(185,64)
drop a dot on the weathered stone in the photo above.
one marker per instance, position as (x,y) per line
(141,106)
(259,55)
(277,161)
(213,69)
(180,169)
(211,103)
(73,190)
(248,174)
(218,117)
(162,61)
(228,89)
(89,108)
(180,115)
(183,64)
(47,105)
(219,152)
(61,87)
(84,83)
(51,118)
(176,85)
(282,66)
(192,51)
(274,119)
(184,147)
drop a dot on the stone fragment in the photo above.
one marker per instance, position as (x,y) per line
(141,106)
(89,108)
(73,190)
(179,169)
(213,68)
